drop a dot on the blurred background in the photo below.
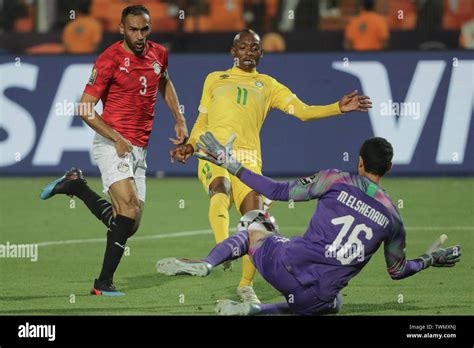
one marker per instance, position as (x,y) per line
(413,58)
(47,26)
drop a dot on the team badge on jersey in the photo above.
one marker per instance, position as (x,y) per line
(259,84)
(157,68)
(92,77)
(123,167)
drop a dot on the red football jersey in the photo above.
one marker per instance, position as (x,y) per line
(128,85)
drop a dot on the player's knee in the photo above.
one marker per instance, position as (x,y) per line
(304,302)
(256,237)
(129,208)
(252,201)
(220,185)
(328,308)
(137,220)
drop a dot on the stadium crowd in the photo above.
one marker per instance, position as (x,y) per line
(86,26)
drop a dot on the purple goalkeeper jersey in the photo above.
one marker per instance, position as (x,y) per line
(352,219)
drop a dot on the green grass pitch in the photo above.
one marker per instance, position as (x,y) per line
(59,281)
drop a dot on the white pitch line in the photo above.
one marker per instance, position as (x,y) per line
(440,228)
(208,231)
(155,236)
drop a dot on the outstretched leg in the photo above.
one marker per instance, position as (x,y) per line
(72,183)
(230,249)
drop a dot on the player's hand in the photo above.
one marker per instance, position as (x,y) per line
(354,102)
(440,257)
(215,152)
(181,153)
(181,133)
(446,257)
(123,147)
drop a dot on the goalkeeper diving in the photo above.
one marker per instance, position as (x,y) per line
(238,100)
(354,216)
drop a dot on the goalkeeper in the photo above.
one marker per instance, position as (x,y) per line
(353,218)
(237,101)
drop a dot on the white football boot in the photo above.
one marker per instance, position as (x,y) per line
(229,307)
(173,266)
(247,294)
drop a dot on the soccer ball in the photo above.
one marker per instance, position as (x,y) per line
(257,220)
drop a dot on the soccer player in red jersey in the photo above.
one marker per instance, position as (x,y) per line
(126,77)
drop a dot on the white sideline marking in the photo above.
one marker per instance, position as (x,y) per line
(208,231)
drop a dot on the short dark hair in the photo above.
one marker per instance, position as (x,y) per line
(134,10)
(245,31)
(377,154)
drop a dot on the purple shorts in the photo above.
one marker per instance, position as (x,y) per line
(269,260)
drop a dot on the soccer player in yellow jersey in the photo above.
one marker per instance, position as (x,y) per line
(237,101)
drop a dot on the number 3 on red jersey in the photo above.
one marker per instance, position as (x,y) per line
(143,83)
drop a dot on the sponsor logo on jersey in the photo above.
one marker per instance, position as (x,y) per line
(308,180)
(223,77)
(124,69)
(259,84)
(123,167)
(92,77)
(157,68)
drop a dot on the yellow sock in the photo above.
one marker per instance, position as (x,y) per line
(219,216)
(248,272)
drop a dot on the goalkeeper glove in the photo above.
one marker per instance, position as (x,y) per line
(221,155)
(439,257)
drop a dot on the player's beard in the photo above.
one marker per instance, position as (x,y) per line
(138,51)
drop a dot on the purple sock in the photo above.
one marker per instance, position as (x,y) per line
(275,308)
(230,249)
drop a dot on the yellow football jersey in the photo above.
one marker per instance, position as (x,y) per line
(235,101)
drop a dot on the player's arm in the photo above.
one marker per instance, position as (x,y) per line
(168,92)
(182,152)
(303,189)
(101,77)
(282,98)
(399,267)
(93,119)
(297,190)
